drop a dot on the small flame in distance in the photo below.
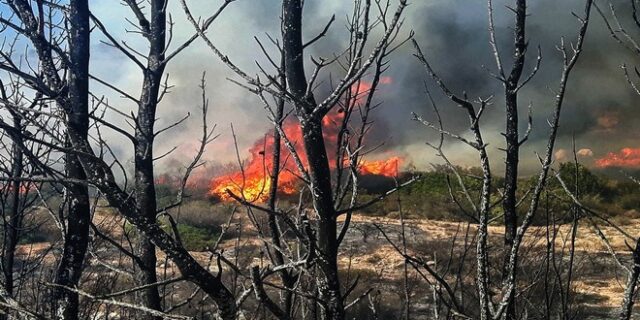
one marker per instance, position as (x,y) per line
(625,158)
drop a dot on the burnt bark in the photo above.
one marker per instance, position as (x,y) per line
(145,191)
(320,174)
(318,162)
(13,216)
(512,139)
(263,297)
(511,135)
(78,216)
(287,277)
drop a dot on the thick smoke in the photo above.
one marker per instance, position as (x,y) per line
(599,109)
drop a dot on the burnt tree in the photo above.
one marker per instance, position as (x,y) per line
(505,307)
(71,97)
(322,244)
(78,216)
(72,94)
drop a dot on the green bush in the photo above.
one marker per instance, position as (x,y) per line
(429,196)
(630,202)
(589,183)
(196,238)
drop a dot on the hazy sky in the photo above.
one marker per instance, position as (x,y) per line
(600,108)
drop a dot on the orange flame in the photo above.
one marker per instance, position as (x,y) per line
(627,157)
(252,188)
(387,168)
(253,182)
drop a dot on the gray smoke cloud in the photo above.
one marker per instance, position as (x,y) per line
(599,110)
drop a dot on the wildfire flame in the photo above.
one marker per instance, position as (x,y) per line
(253,182)
(387,168)
(627,157)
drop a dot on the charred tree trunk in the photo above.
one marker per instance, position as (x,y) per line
(513,141)
(145,192)
(146,205)
(78,215)
(318,162)
(288,279)
(13,216)
(329,283)
(511,135)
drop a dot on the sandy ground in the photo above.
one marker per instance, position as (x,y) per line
(365,248)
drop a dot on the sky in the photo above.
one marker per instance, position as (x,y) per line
(600,109)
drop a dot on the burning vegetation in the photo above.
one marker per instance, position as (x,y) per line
(253,180)
(625,158)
